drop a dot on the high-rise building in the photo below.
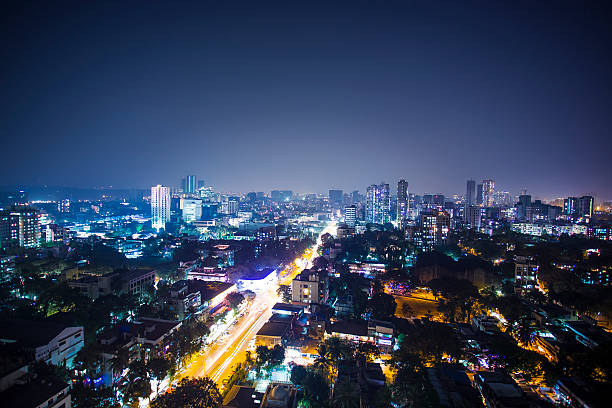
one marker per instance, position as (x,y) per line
(488,193)
(473,216)
(403,205)
(522,206)
(570,205)
(585,206)
(160,206)
(350,215)
(378,204)
(525,274)
(355,197)
(434,226)
(21,225)
(335,198)
(470,193)
(192,209)
(189,184)
(480,194)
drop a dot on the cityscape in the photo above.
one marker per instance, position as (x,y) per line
(313,260)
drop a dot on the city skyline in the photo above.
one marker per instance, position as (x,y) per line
(303,96)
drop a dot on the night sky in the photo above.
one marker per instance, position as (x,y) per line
(308,96)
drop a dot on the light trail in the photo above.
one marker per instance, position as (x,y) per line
(208,364)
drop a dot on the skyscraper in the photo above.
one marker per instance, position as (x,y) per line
(350,215)
(160,207)
(335,198)
(189,184)
(479,194)
(488,193)
(570,205)
(402,202)
(585,206)
(470,193)
(378,204)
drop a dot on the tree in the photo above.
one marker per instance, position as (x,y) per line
(298,374)
(369,350)
(120,361)
(159,369)
(83,396)
(407,310)
(346,395)
(316,390)
(382,306)
(284,291)
(234,299)
(276,355)
(263,356)
(191,393)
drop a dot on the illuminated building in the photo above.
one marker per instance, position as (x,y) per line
(259,281)
(570,206)
(470,193)
(160,207)
(189,184)
(309,287)
(585,207)
(473,216)
(350,215)
(21,225)
(525,274)
(479,194)
(192,209)
(434,226)
(279,196)
(403,205)
(378,204)
(488,193)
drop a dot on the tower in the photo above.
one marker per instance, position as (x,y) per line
(160,206)
(403,204)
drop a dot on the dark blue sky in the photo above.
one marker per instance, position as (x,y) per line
(308,96)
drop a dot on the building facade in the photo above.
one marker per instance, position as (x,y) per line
(378,204)
(160,207)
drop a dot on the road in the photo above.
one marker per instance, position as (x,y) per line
(219,360)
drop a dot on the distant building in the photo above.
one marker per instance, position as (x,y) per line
(488,193)
(403,204)
(585,206)
(480,194)
(160,207)
(122,281)
(350,216)
(192,209)
(434,227)
(189,184)
(20,224)
(578,207)
(336,198)
(525,274)
(378,204)
(473,216)
(470,193)
(279,196)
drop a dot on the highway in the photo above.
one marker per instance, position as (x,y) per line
(219,359)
